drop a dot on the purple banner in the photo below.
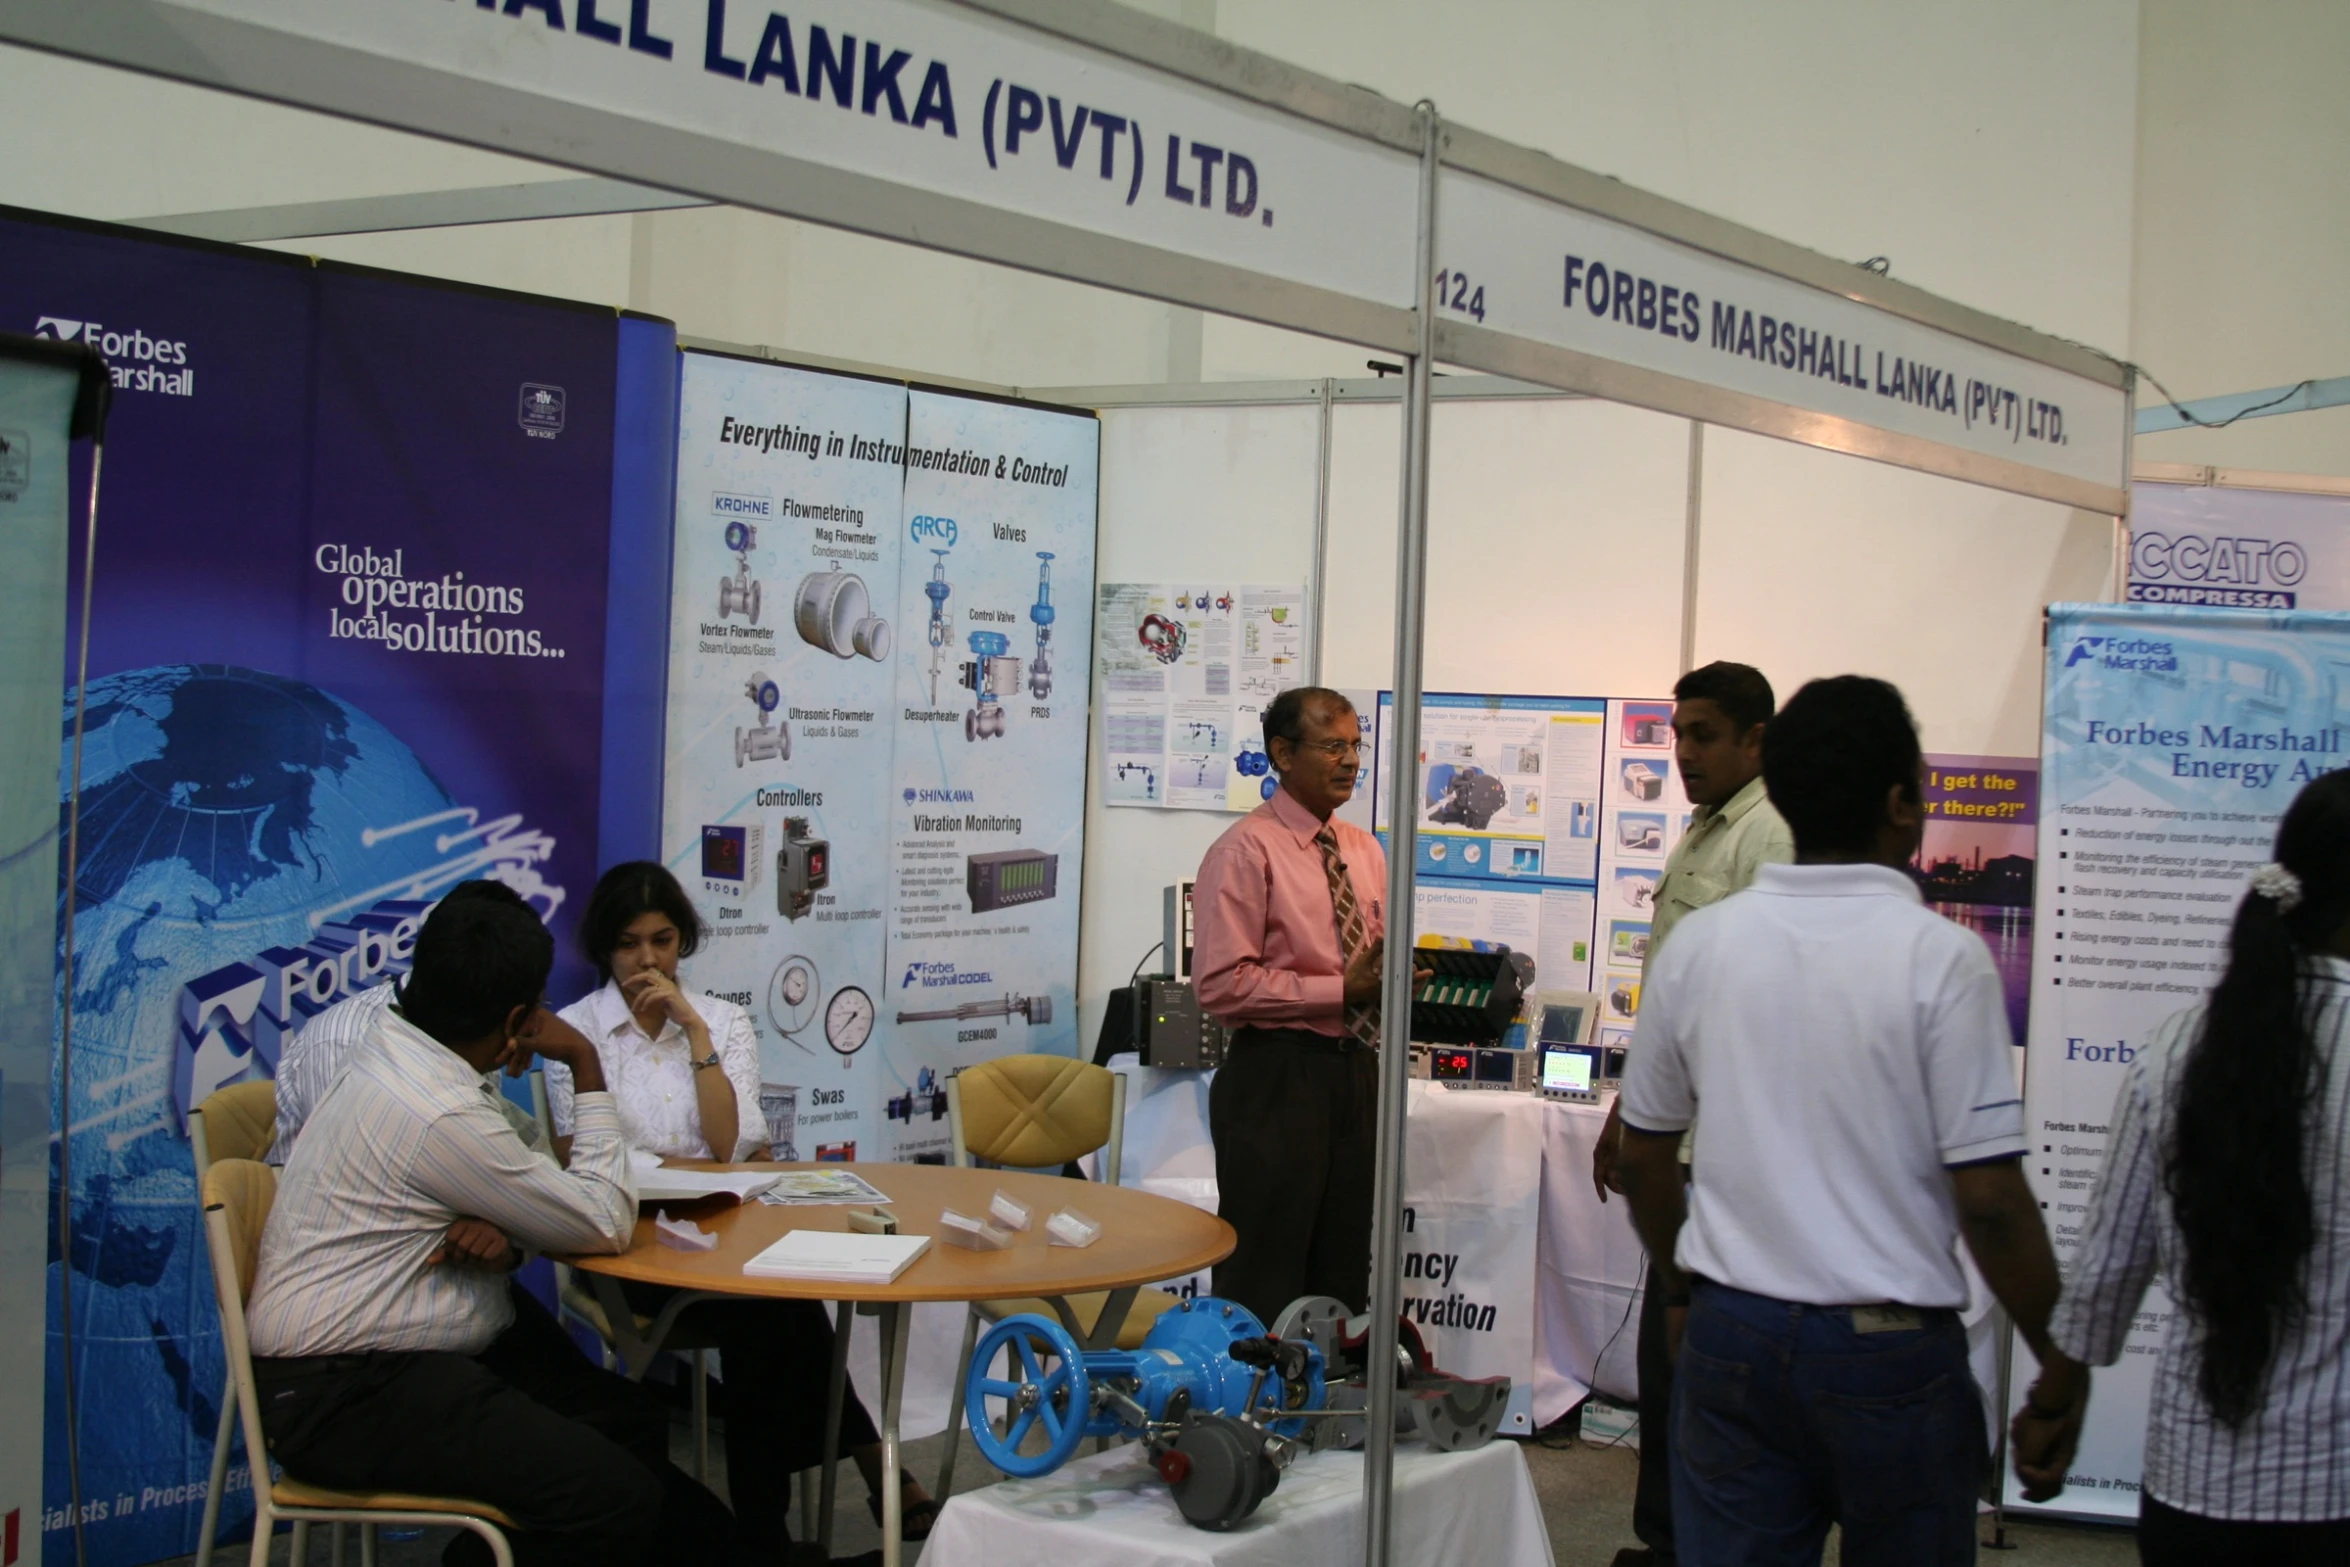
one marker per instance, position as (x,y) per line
(1976,862)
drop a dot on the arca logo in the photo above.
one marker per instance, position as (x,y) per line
(939,528)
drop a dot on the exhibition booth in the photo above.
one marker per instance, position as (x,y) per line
(934,695)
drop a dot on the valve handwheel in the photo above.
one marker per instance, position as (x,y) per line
(1047,1387)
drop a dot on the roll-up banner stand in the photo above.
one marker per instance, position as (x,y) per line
(50,393)
(881,631)
(1087,141)
(2174,739)
(346,648)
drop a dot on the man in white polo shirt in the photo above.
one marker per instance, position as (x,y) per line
(1843,1053)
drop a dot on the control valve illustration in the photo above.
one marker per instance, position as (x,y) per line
(1040,671)
(834,612)
(936,590)
(739,594)
(764,741)
(990,674)
(803,868)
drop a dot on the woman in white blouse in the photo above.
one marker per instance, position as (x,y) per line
(684,1072)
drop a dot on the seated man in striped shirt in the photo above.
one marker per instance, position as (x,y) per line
(388,1349)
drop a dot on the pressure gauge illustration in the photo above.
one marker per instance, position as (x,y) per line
(848,1022)
(794,995)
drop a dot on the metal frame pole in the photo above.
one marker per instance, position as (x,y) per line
(1317,581)
(1691,526)
(1395,990)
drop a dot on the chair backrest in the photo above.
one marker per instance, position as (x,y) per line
(540,1107)
(1035,1112)
(237,1195)
(236,1122)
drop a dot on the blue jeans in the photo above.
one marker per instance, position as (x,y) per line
(1786,1419)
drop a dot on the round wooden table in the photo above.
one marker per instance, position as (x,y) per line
(1144,1239)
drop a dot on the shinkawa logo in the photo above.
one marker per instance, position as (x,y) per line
(138,361)
(940,797)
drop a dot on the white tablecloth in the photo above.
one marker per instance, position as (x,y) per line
(1476,1508)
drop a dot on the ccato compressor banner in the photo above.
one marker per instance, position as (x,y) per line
(347,648)
(881,633)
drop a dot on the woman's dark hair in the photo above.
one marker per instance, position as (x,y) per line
(2236,1156)
(478,957)
(1830,756)
(1740,690)
(627,890)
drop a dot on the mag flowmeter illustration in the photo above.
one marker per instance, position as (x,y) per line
(990,674)
(739,594)
(1040,671)
(734,856)
(936,590)
(833,611)
(803,867)
(764,741)
(1006,877)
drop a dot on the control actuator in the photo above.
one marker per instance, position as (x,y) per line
(803,868)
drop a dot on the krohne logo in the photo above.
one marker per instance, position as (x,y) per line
(2190,568)
(2139,653)
(138,361)
(930,976)
(939,529)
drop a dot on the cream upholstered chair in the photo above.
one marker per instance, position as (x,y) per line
(1034,1112)
(237,1198)
(236,1122)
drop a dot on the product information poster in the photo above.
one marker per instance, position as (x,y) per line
(988,788)
(1643,817)
(2229,548)
(1186,673)
(877,729)
(1508,791)
(2172,743)
(1975,864)
(781,718)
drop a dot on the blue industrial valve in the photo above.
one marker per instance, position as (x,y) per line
(991,674)
(936,590)
(1040,670)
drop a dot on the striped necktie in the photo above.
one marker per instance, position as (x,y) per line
(1354,932)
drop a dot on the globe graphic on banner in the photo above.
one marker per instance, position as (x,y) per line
(225,812)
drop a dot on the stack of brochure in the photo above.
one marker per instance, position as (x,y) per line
(657,1182)
(838,1257)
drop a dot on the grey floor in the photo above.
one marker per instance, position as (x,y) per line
(1586,1494)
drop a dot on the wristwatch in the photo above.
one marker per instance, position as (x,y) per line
(705,1065)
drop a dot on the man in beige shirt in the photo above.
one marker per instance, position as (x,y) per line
(1718,717)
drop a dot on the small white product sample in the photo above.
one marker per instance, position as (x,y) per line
(1008,1210)
(683,1234)
(1071,1228)
(960,1229)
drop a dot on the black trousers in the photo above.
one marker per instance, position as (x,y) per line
(1292,1114)
(576,1455)
(2168,1537)
(1652,1496)
(775,1360)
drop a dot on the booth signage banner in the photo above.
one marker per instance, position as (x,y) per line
(1518,264)
(2227,548)
(880,634)
(346,649)
(940,98)
(36,414)
(2173,741)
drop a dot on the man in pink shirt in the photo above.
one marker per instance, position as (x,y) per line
(1289,928)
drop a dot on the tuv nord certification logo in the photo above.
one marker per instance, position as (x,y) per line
(541,414)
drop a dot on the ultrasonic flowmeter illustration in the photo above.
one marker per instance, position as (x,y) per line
(1031,1009)
(765,741)
(803,867)
(739,594)
(936,590)
(834,612)
(990,674)
(1040,672)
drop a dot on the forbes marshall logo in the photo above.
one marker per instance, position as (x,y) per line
(2145,654)
(136,360)
(930,976)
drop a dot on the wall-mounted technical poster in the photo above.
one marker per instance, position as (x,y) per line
(1643,814)
(2173,741)
(1509,792)
(1186,672)
(881,632)
(988,788)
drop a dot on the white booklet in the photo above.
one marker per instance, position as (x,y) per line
(848,1257)
(658,1182)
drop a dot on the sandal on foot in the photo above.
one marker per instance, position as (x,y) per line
(914,1518)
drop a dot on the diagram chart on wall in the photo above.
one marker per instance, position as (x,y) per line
(1186,672)
(875,763)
